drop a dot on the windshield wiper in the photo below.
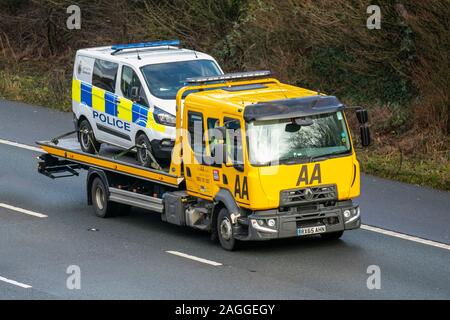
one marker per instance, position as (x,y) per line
(330,155)
(296,160)
(307,159)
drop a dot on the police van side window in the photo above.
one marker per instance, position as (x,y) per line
(105,75)
(131,86)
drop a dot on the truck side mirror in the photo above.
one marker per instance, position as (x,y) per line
(362,115)
(365,135)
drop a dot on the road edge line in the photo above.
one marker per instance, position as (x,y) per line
(16,283)
(188,256)
(21,145)
(406,237)
(28,212)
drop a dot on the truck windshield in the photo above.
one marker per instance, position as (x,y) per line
(165,79)
(290,141)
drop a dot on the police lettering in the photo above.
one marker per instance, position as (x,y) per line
(111,120)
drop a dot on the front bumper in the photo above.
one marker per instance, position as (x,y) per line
(287,223)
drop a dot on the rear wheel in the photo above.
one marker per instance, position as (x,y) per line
(332,235)
(225,231)
(142,156)
(87,139)
(102,207)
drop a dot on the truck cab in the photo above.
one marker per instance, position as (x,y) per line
(275,160)
(124,95)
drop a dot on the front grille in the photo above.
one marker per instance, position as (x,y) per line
(308,195)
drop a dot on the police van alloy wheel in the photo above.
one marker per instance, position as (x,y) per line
(332,235)
(225,230)
(142,155)
(102,207)
(86,136)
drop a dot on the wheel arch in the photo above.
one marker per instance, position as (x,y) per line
(92,174)
(223,199)
(138,133)
(81,118)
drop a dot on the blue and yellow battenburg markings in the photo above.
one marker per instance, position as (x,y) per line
(111,104)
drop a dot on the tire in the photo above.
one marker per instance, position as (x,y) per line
(225,231)
(142,157)
(102,207)
(332,235)
(87,139)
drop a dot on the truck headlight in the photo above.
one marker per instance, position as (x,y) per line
(163,117)
(271,223)
(351,214)
(347,214)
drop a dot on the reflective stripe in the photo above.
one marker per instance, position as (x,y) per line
(86,94)
(76,90)
(111,103)
(98,99)
(124,109)
(120,107)
(139,114)
(151,123)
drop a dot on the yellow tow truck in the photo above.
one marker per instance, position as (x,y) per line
(253,159)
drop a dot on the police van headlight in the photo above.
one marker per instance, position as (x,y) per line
(163,117)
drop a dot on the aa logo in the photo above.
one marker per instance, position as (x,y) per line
(241,191)
(306,179)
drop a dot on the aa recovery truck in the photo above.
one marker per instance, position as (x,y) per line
(253,159)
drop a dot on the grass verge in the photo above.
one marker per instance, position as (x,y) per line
(48,89)
(433,173)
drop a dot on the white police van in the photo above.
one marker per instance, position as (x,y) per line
(124,95)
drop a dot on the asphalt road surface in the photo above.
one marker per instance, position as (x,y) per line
(46,227)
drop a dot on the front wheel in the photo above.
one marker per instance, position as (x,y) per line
(225,231)
(87,139)
(142,152)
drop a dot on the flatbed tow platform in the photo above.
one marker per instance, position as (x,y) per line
(65,156)
(123,182)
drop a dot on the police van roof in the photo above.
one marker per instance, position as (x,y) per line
(141,56)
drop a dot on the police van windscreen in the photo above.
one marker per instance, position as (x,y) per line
(290,141)
(165,79)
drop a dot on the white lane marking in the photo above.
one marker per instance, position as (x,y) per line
(20,145)
(188,256)
(19,284)
(406,237)
(31,213)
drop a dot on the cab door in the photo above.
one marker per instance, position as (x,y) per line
(198,173)
(234,173)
